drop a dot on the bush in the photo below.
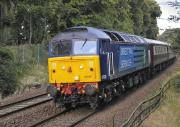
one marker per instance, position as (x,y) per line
(8,76)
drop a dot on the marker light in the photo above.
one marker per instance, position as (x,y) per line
(63,67)
(76,78)
(81,67)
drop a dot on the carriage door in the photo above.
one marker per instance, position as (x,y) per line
(107,57)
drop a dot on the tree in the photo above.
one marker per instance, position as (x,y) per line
(151,11)
(172,36)
(37,21)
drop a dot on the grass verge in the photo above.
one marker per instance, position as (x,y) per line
(168,114)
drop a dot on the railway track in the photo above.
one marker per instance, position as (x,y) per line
(50,118)
(83,119)
(23,104)
(60,114)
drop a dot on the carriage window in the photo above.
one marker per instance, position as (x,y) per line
(84,47)
(104,46)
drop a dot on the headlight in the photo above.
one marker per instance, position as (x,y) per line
(76,78)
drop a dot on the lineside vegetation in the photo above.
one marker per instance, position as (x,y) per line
(36,21)
(168,114)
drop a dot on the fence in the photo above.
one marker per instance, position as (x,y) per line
(146,107)
(30,62)
(30,54)
(28,88)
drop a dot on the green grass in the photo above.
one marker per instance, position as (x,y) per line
(35,73)
(168,114)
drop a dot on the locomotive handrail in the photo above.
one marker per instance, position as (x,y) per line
(143,110)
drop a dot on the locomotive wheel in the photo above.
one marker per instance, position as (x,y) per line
(95,102)
(115,91)
(68,105)
(119,90)
(130,82)
(94,105)
(108,95)
(122,86)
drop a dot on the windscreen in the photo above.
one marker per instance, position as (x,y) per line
(81,47)
(73,47)
(61,48)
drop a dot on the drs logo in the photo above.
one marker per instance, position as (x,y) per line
(126,57)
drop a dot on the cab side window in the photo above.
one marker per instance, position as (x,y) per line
(104,46)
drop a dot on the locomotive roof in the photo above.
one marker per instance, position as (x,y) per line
(85,32)
(81,32)
(129,38)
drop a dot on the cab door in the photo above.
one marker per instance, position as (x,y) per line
(106,59)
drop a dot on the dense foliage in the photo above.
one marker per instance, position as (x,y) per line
(172,36)
(8,81)
(35,21)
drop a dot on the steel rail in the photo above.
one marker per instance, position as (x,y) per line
(26,99)
(50,118)
(83,119)
(25,104)
(61,113)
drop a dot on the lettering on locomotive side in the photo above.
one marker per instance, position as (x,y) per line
(126,51)
(126,57)
(131,56)
(126,63)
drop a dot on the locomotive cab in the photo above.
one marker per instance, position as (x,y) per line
(74,61)
(74,67)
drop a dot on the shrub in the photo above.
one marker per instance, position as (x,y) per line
(8,77)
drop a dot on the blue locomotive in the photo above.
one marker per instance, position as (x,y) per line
(90,65)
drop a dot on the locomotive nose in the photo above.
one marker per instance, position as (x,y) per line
(74,69)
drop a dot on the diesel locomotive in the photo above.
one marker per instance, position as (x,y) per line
(90,65)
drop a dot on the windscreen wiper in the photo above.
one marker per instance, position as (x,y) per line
(84,43)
